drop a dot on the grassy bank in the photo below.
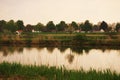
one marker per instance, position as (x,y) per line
(63,39)
(17,71)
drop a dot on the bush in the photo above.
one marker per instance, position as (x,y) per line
(80,37)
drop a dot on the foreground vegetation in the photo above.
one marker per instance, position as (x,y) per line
(23,72)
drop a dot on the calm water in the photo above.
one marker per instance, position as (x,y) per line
(70,58)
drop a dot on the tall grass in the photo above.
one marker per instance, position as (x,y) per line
(53,73)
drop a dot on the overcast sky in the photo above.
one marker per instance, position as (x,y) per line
(34,11)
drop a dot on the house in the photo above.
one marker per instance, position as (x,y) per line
(19,32)
(33,31)
(119,30)
(76,31)
(102,31)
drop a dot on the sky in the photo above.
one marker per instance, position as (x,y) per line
(34,11)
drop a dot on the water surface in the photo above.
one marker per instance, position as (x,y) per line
(70,58)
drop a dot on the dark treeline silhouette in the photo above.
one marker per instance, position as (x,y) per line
(12,26)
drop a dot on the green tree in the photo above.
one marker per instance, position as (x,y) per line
(117,27)
(70,28)
(51,26)
(75,25)
(28,28)
(39,27)
(2,25)
(104,26)
(10,26)
(61,26)
(80,37)
(87,26)
(20,25)
(95,28)
(81,26)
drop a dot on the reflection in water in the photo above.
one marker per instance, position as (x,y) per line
(93,58)
(62,49)
(70,58)
(9,50)
(79,50)
(50,49)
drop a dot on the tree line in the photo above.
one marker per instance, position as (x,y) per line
(12,26)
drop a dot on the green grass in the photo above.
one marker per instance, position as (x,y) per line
(52,73)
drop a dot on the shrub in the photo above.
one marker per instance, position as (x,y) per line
(80,37)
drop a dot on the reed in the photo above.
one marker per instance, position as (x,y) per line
(11,70)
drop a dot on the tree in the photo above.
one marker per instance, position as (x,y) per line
(2,25)
(87,26)
(75,25)
(51,26)
(10,26)
(79,39)
(70,28)
(39,27)
(61,26)
(81,26)
(117,27)
(20,25)
(95,28)
(28,28)
(104,26)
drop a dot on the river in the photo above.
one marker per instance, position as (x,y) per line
(67,57)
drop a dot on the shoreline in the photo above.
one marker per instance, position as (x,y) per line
(60,43)
(54,39)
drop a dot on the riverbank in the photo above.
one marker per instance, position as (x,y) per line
(23,72)
(56,39)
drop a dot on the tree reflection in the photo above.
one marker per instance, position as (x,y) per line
(76,49)
(62,49)
(40,48)
(50,49)
(10,50)
(70,58)
(79,49)
(5,53)
(20,50)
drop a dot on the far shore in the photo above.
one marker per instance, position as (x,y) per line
(75,39)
